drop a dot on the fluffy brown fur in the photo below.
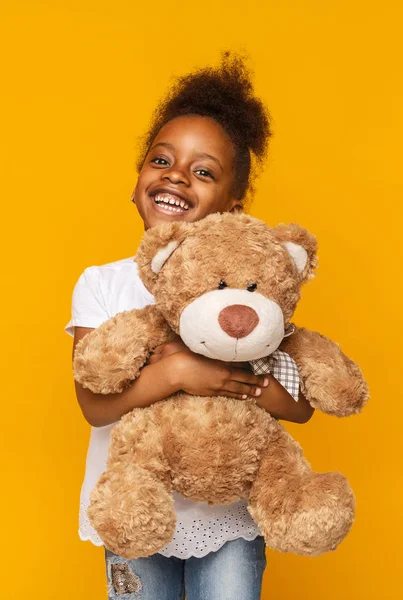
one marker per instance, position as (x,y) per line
(217,449)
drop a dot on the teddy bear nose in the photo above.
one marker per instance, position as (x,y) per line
(238,320)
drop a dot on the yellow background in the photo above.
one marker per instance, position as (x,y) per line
(79,81)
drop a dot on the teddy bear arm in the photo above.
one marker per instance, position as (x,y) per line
(111,356)
(330,380)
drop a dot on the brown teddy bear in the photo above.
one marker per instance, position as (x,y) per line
(228,285)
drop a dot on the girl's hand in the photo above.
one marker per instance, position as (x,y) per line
(202,376)
(166,350)
(178,346)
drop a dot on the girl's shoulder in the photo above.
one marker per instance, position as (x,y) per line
(117,267)
(118,279)
(102,291)
(118,275)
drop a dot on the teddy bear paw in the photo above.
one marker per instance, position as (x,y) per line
(313,518)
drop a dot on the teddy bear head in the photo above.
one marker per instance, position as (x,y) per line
(228,284)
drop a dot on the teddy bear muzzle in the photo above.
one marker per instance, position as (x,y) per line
(232,324)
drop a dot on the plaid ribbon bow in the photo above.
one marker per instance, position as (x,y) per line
(281,366)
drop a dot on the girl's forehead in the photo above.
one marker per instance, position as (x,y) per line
(195,132)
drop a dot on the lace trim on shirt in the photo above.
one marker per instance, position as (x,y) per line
(196,538)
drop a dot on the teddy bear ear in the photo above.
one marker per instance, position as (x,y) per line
(162,256)
(301,246)
(157,245)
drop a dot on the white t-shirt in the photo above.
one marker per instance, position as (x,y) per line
(100,293)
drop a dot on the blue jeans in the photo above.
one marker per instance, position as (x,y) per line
(234,572)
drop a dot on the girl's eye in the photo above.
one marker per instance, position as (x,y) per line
(204,173)
(160,160)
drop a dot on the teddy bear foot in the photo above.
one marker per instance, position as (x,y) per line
(135,518)
(316,514)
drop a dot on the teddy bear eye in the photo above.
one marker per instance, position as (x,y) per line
(222,285)
(251,287)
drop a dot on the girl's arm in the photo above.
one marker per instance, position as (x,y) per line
(274,398)
(162,379)
(281,405)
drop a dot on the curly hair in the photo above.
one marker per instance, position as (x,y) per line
(226,95)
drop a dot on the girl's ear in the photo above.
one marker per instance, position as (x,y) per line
(236,207)
(301,246)
(157,245)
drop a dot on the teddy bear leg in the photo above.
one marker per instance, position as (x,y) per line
(296,509)
(131,506)
(132,512)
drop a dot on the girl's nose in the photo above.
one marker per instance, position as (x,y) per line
(238,320)
(176,176)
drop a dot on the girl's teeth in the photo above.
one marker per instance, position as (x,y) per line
(172,208)
(170,202)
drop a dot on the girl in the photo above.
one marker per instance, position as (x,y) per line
(196,160)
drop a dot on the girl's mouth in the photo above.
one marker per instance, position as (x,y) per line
(169,203)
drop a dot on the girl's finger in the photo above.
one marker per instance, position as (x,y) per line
(245,366)
(242,376)
(158,349)
(233,395)
(154,358)
(236,387)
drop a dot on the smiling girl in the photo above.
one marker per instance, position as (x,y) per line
(200,156)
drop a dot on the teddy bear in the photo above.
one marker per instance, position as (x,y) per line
(228,285)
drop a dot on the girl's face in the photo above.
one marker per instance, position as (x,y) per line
(188,173)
